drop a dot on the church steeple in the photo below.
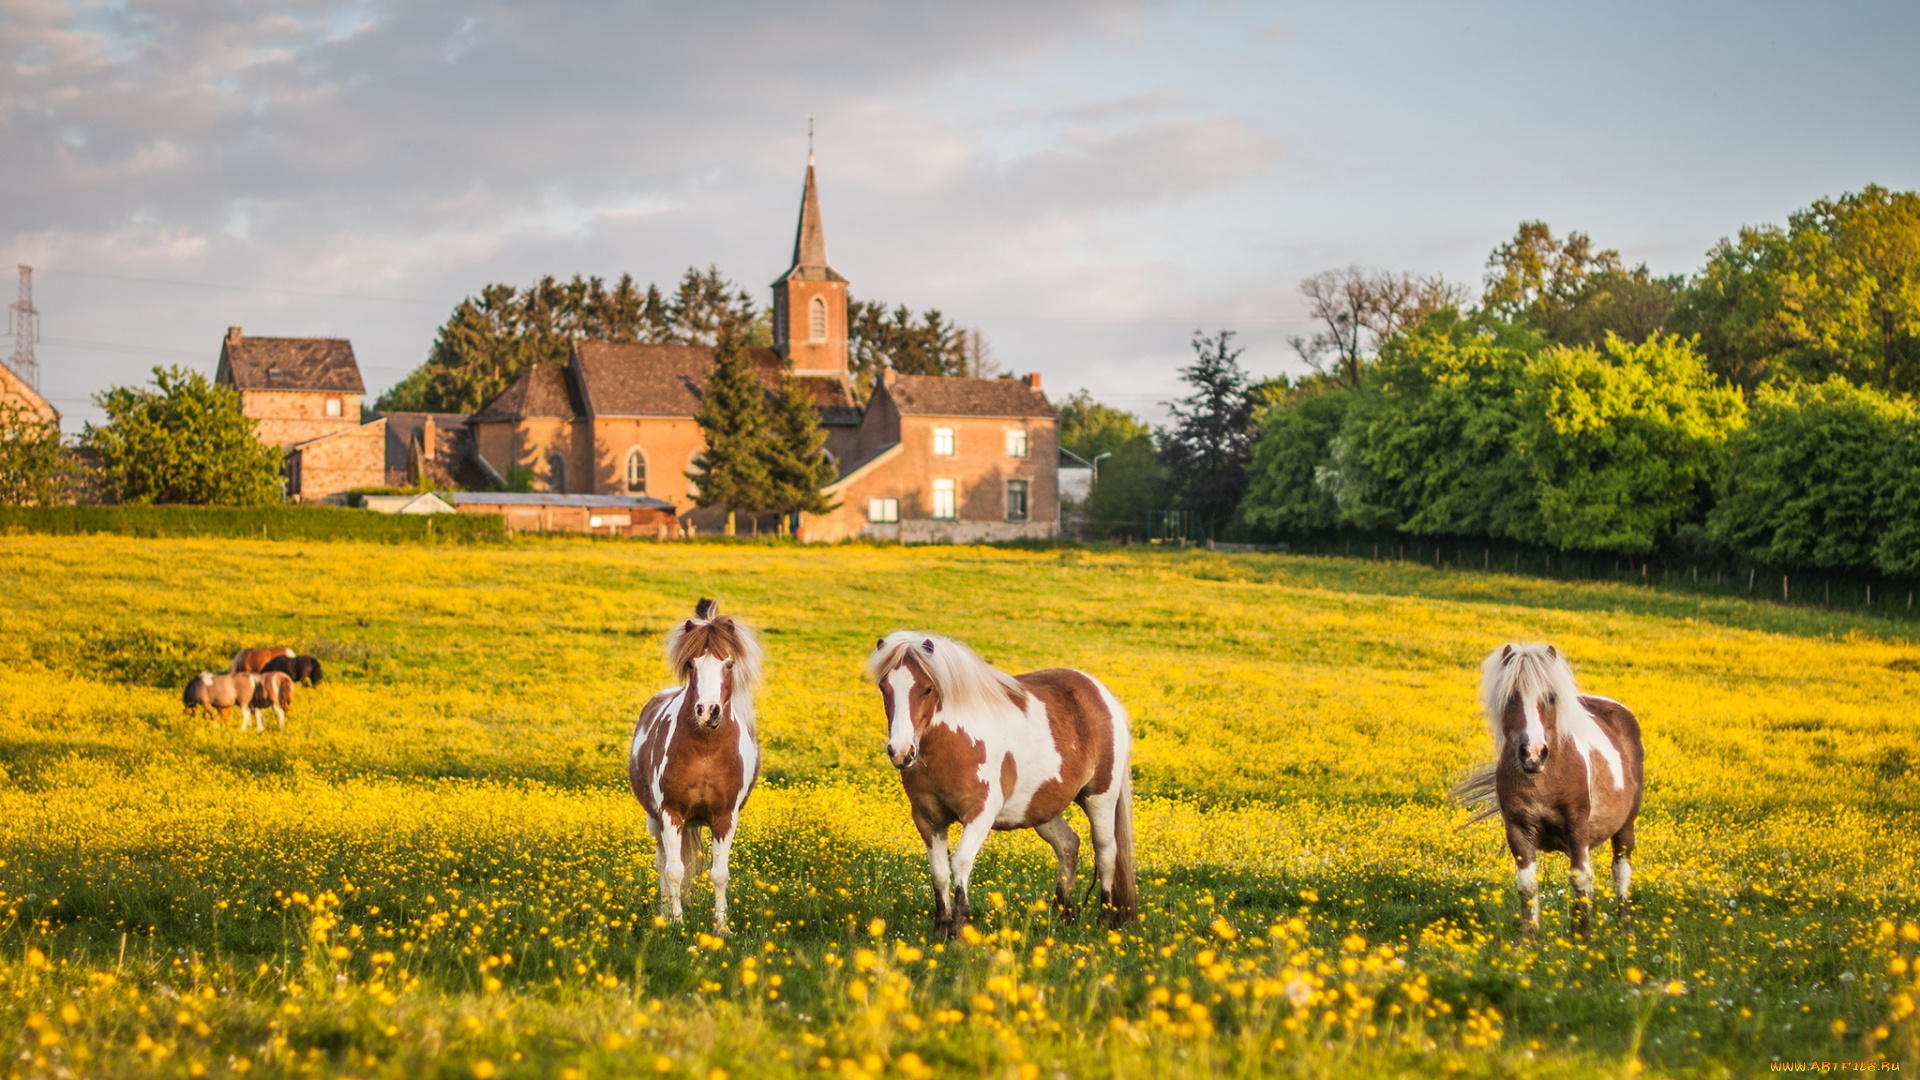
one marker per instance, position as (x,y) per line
(810,299)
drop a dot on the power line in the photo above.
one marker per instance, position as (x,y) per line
(249,288)
(114,346)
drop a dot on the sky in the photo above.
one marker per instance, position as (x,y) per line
(1088,184)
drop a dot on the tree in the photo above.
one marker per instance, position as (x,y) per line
(1835,293)
(1358,310)
(34,468)
(1089,428)
(926,344)
(185,441)
(1128,480)
(1572,294)
(732,470)
(1621,442)
(1206,449)
(1813,481)
(796,462)
(1290,486)
(707,307)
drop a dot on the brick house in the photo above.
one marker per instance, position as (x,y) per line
(17,392)
(303,395)
(925,459)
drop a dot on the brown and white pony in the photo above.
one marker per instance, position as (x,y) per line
(301,669)
(987,750)
(256,660)
(696,751)
(1566,774)
(271,690)
(218,693)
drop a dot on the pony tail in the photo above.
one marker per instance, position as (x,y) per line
(1125,899)
(1477,793)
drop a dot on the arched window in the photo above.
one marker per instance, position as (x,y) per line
(818,330)
(557,472)
(636,471)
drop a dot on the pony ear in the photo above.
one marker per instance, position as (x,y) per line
(879,643)
(705,608)
(927,646)
(689,627)
(1506,652)
(1551,653)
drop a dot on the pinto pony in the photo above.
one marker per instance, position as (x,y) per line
(216,694)
(301,669)
(987,750)
(271,690)
(696,751)
(256,660)
(1566,775)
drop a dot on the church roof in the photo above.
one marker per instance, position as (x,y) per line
(810,239)
(665,380)
(540,391)
(280,363)
(954,395)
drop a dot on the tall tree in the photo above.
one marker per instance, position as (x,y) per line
(1359,309)
(732,470)
(34,468)
(1571,293)
(184,441)
(925,344)
(707,307)
(1206,449)
(797,465)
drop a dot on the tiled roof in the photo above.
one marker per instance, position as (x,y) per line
(541,391)
(953,395)
(544,498)
(275,363)
(403,427)
(665,380)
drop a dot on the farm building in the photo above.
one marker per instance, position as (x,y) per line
(304,397)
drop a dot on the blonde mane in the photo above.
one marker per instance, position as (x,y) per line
(711,633)
(962,679)
(1531,671)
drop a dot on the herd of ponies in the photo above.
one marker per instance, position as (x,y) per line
(257,680)
(984,750)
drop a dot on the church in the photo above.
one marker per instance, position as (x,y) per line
(927,459)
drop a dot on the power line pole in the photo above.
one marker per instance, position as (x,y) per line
(25,322)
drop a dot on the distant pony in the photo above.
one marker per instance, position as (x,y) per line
(301,669)
(1566,774)
(696,751)
(256,660)
(271,690)
(216,694)
(986,750)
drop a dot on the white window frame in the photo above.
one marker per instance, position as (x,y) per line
(817,327)
(882,510)
(626,473)
(1026,499)
(335,408)
(946,501)
(946,442)
(1018,443)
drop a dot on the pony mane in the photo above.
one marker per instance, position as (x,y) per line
(962,679)
(1532,670)
(710,632)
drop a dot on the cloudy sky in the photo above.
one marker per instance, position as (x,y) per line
(1088,183)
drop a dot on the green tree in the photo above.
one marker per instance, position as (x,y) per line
(1128,477)
(1621,442)
(1205,451)
(1837,292)
(1572,294)
(926,344)
(796,463)
(184,441)
(1814,479)
(1286,491)
(732,470)
(34,467)
(1089,428)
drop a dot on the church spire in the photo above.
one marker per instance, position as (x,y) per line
(810,241)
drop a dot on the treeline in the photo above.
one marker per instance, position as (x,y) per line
(491,339)
(1759,409)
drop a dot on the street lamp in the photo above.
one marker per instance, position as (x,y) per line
(1096,467)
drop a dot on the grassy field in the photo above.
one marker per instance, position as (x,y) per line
(437,869)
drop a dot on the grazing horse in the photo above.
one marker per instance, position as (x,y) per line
(218,693)
(1566,775)
(987,750)
(256,660)
(271,690)
(696,752)
(301,669)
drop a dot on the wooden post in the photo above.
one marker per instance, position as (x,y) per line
(1785,593)
(1750,573)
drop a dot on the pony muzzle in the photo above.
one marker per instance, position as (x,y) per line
(904,758)
(1532,756)
(706,716)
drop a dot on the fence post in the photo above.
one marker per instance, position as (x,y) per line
(1785,594)
(1750,572)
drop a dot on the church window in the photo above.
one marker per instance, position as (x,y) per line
(818,330)
(636,471)
(883,511)
(944,507)
(943,442)
(1017,443)
(557,472)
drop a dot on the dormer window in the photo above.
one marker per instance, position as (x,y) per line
(275,373)
(817,320)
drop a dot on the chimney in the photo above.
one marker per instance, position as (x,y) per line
(233,336)
(426,439)
(1032,380)
(887,375)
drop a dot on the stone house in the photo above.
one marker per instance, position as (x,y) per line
(19,393)
(303,395)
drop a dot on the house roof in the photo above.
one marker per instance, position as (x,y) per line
(277,363)
(16,389)
(541,391)
(665,380)
(541,498)
(954,395)
(1071,460)
(404,427)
